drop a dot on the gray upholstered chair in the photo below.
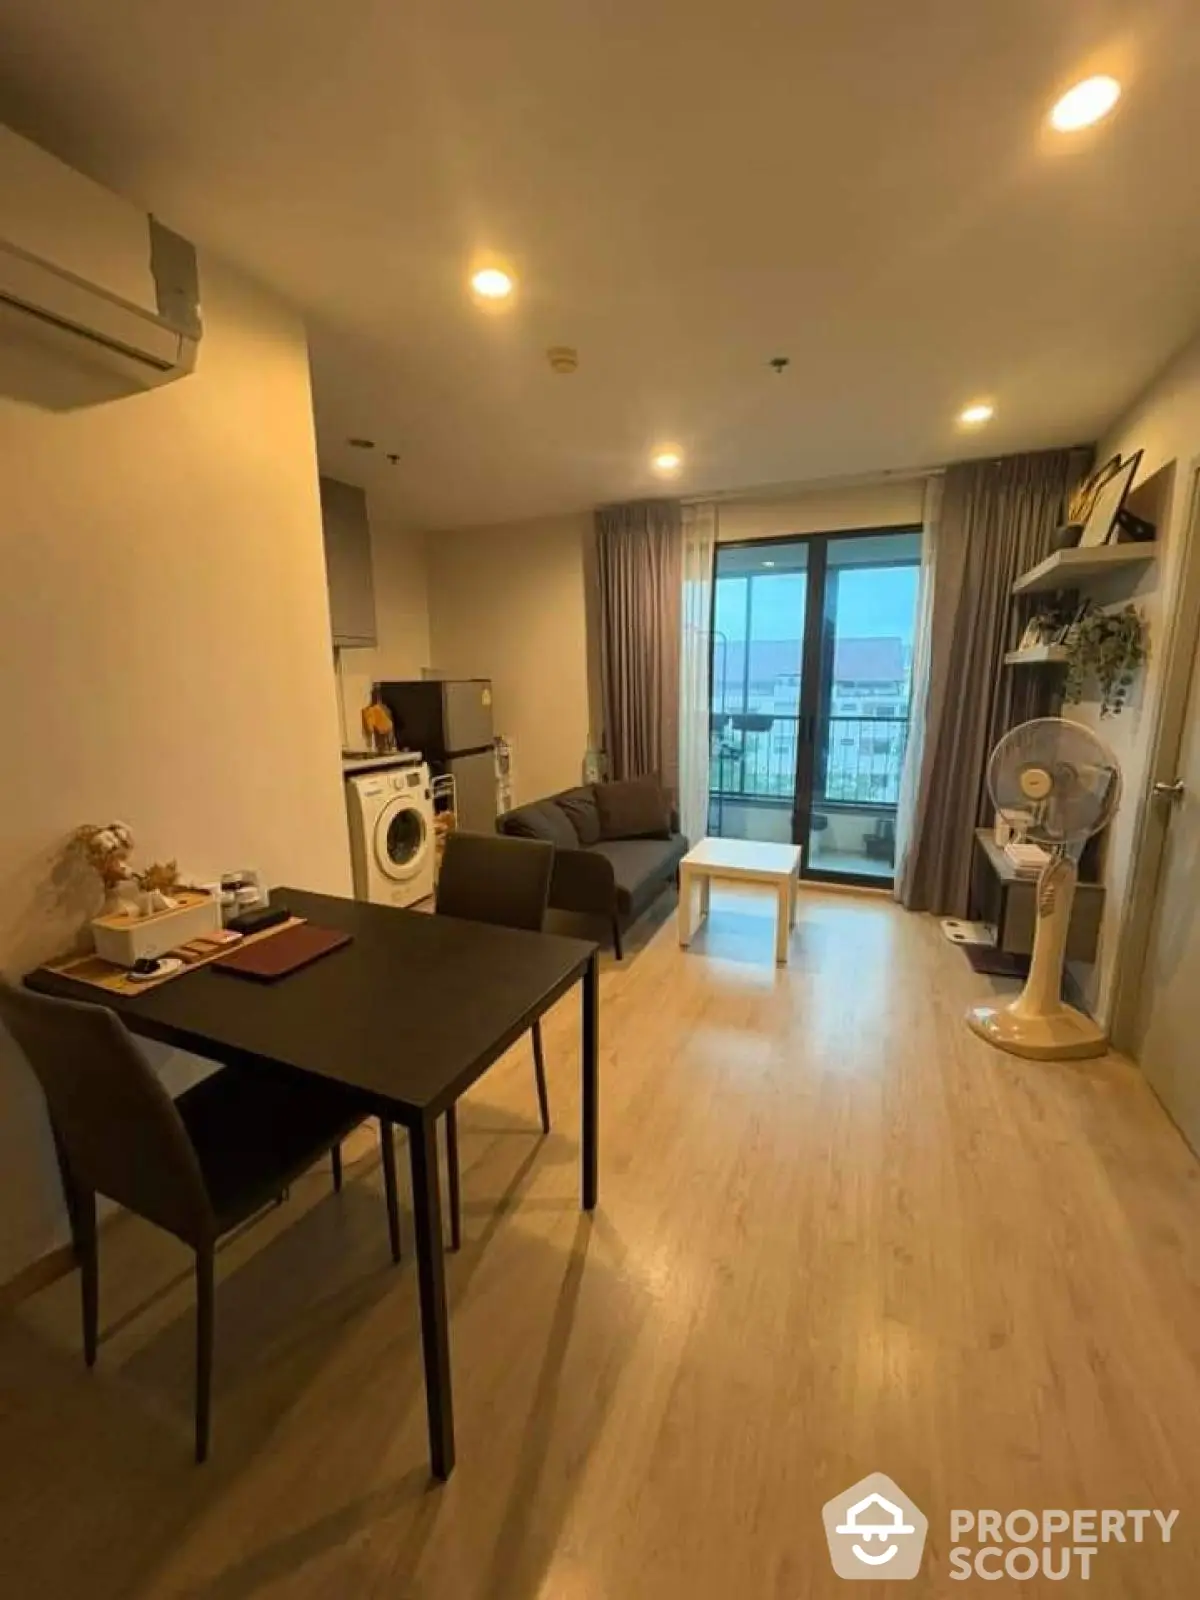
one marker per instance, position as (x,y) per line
(506,882)
(198,1166)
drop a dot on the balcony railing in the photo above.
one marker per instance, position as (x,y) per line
(859,760)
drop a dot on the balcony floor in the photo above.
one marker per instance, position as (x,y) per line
(849,864)
(770,822)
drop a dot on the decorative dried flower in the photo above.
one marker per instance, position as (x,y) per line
(160,875)
(106,847)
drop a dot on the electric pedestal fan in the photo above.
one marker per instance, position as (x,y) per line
(1056,784)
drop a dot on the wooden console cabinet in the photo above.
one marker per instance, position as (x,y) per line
(1009,903)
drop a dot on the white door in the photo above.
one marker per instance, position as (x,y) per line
(1168,1044)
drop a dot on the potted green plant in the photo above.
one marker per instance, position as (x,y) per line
(1105,647)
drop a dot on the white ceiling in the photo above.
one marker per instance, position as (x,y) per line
(687,188)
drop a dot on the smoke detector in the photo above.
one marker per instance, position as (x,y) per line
(562,358)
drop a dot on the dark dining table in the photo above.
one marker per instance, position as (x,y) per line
(410,1013)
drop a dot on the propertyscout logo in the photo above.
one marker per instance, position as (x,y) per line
(1048,1544)
(875,1531)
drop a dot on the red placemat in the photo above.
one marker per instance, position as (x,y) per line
(288,951)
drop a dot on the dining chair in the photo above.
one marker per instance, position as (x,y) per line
(198,1166)
(504,881)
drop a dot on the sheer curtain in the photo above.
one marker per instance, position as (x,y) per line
(699,557)
(910,777)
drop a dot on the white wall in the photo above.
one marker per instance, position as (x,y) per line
(510,603)
(888,504)
(164,654)
(401,619)
(1165,423)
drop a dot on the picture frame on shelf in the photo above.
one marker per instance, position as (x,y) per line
(1084,495)
(1101,527)
(1132,529)
(1033,635)
(1070,628)
(1046,626)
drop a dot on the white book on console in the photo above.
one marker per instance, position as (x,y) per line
(1028,859)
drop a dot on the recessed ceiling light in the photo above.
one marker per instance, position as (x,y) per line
(975,416)
(1086,103)
(768,563)
(666,460)
(492,283)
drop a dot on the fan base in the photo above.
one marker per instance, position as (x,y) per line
(1064,1035)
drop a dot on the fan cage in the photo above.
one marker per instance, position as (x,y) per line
(1063,750)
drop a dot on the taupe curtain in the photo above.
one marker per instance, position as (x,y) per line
(997,520)
(639,550)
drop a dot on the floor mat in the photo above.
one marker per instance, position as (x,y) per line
(995,963)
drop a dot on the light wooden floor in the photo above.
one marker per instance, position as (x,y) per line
(836,1234)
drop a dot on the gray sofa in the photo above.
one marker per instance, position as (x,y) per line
(600,885)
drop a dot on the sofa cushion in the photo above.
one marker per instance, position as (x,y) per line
(582,812)
(541,819)
(640,866)
(634,809)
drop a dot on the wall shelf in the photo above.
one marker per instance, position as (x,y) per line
(1038,655)
(1070,569)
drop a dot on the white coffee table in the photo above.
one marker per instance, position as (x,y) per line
(741,861)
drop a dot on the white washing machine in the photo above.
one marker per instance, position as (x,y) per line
(391,834)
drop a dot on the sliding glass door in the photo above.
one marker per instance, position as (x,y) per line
(811,678)
(860,711)
(759,606)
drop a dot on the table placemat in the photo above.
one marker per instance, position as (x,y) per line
(297,947)
(115,980)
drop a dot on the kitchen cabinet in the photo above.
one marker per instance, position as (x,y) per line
(348,563)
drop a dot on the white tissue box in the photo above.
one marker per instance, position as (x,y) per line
(125,938)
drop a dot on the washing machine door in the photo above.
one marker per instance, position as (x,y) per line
(402,839)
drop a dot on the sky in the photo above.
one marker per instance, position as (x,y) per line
(873,602)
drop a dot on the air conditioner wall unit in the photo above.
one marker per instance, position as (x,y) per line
(100,277)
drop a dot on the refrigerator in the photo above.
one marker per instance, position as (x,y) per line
(449,721)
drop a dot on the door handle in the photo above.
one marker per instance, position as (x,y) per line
(1174,792)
